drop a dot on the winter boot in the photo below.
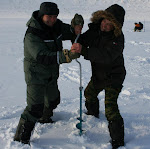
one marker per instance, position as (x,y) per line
(116,129)
(23,132)
(92,108)
(46,118)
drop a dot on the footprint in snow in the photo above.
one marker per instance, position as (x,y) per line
(70,73)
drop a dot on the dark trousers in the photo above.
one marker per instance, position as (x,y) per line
(40,97)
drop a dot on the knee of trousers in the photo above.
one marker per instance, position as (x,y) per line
(89,94)
(112,113)
(37,110)
(86,94)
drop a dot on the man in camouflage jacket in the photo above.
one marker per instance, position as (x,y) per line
(103,45)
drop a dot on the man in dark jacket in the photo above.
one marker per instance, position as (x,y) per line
(43,52)
(103,45)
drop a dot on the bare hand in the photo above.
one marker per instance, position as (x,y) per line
(76,47)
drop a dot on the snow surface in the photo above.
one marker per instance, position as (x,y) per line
(134,100)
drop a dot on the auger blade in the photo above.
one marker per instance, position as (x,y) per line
(78,126)
(80,119)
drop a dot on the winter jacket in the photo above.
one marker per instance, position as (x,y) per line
(105,49)
(43,50)
(137,25)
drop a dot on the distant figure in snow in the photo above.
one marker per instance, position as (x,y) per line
(138,27)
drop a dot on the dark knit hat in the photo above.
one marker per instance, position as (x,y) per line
(48,8)
(77,20)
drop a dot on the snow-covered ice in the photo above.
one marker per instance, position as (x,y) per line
(134,101)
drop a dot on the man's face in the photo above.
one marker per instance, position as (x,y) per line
(106,25)
(78,29)
(49,19)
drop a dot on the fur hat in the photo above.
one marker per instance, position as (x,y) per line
(114,13)
(48,8)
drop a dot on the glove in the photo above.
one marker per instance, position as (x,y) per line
(77,20)
(70,55)
(73,55)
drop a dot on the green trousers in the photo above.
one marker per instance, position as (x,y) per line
(111,96)
(40,97)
